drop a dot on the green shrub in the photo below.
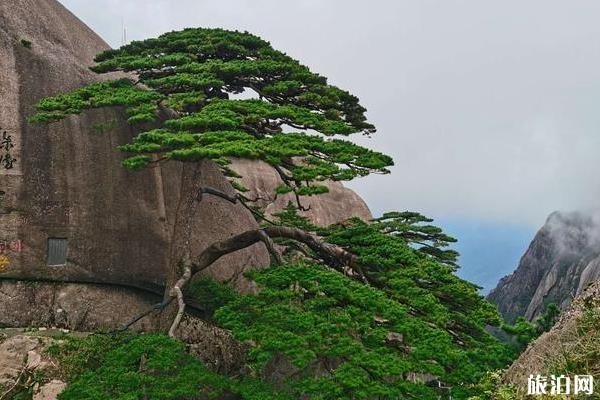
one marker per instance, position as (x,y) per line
(210,294)
(580,351)
(490,387)
(149,366)
(77,356)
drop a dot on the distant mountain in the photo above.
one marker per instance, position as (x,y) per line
(561,261)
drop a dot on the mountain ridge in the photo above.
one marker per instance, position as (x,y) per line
(562,259)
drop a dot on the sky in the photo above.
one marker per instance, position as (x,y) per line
(489,108)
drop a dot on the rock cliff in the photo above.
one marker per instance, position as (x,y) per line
(561,261)
(67,184)
(69,212)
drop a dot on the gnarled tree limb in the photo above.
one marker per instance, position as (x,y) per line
(177,291)
(215,192)
(209,256)
(157,307)
(334,256)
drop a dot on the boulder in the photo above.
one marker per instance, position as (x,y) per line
(84,307)
(50,390)
(68,210)
(338,205)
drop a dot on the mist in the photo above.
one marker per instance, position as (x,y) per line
(575,233)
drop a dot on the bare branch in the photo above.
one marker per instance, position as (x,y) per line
(300,206)
(156,307)
(17,381)
(284,176)
(257,214)
(215,192)
(233,199)
(334,256)
(271,248)
(289,180)
(178,291)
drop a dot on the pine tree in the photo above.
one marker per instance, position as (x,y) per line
(361,310)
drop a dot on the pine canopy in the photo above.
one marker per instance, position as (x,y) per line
(217,94)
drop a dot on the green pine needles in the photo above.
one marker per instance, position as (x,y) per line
(145,367)
(185,89)
(387,324)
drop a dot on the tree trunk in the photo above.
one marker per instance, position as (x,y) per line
(186,215)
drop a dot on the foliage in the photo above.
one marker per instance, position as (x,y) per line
(491,387)
(580,351)
(547,320)
(574,349)
(415,229)
(321,320)
(416,278)
(186,86)
(209,294)
(149,366)
(289,217)
(525,332)
(79,355)
(412,227)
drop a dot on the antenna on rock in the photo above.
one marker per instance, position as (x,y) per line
(124,32)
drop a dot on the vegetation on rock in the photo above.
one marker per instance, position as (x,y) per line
(569,348)
(152,366)
(524,331)
(359,310)
(582,350)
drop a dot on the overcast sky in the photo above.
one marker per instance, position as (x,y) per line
(490,108)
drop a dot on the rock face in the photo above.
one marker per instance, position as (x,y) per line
(338,205)
(561,261)
(68,210)
(83,307)
(22,356)
(50,390)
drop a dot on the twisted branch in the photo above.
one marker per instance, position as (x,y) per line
(334,256)
(178,292)
(208,190)
(157,307)
(208,257)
